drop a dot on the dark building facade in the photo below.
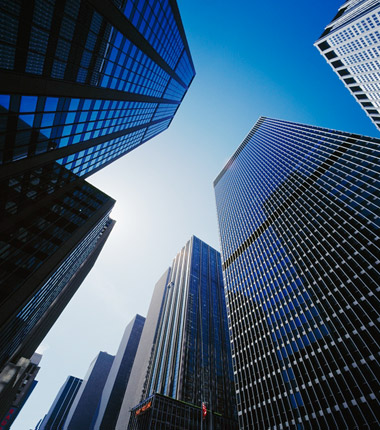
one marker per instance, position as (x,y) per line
(49,241)
(160,412)
(298,211)
(351,46)
(189,359)
(83,410)
(82,82)
(58,411)
(118,377)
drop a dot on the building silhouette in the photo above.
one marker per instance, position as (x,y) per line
(58,411)
(83,409)
(82,82)
(184,353)
(298,211)
(351,45)
(118,377)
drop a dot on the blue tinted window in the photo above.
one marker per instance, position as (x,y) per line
(4,101)
(28,103)
(51,104)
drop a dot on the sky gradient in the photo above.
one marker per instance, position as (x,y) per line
(252,58)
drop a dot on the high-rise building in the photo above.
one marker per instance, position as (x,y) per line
(82,82)
(186,352)
(49,240)
(17,381)
(58,411)
(298,210)
(82,413)
(118,377)
(351,45)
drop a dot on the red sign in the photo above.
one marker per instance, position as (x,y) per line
(204,410)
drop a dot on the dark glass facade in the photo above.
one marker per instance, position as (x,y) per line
(190,357)
(298,211)
(83,410)
(55,224)
(57,414)
(84,82)
(117,381)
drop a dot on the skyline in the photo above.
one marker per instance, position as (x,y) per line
(203,124)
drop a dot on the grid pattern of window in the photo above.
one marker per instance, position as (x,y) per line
(155,21)
(13,333)
(299,217)
(351,45)
(126,78)
(190,359)
(51,122)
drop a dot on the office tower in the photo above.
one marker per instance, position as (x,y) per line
(185,345)
(116,384)
(82,82)
(351,45)
(58,411)
(91,79)
(48,245)
(83,410)
(298,211)
(16,384)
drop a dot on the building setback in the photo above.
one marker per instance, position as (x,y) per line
(82,82)
(351,45)
(298,211)
(82,413)
(189,356)
(58,411)
(118,377)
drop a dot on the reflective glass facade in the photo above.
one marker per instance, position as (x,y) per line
(351,45)
(57,414)
(85,83)
(190,357)
(298,210)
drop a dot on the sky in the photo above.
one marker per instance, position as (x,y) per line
(252,59)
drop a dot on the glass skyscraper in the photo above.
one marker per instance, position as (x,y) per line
(58,411)
(298,210)
(351,45)
(82,82)
(188,360)
(117,381)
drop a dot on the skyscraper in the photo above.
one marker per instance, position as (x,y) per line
(118,377)
(298,211)
(83,409)
(58,411)
(82,82)
(49,241)
(351,45)
(188,360)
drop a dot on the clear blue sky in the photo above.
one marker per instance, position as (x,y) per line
(252,58)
